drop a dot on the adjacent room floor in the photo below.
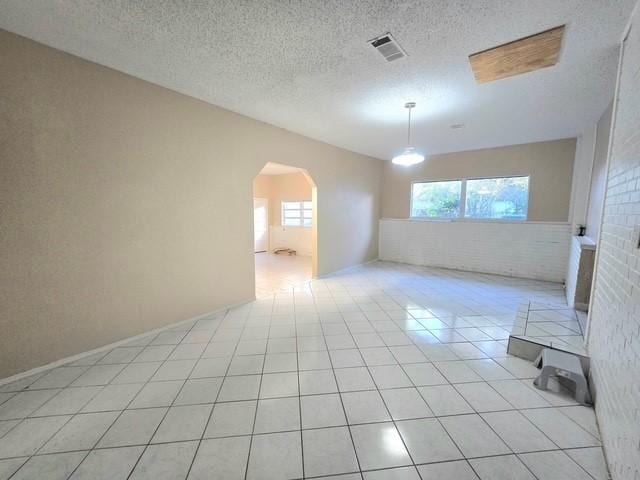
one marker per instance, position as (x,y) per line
(386,372)
(280,273)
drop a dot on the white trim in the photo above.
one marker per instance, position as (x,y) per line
(79,356)
(347,269)
(473,220)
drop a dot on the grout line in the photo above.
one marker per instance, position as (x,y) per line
(351,300)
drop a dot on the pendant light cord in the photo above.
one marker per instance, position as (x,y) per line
(409,129)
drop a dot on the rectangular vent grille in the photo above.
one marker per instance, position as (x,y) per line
(388,47)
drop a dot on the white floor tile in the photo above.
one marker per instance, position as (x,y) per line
(555,465)
(24,403)
(507,467)
(379,445)
(482,397)
(167,461)
(364,407)
(279,385)
(294,350)
(317,381)
(422,374)
(445,400)
(562,430)
(518,432)
(9,466)
(427,441)
(457,372)
(157,394)
(328,451)
(389,376)
(68,401)
(82,432)
(183,423)
(113,397)
(27,437)
(277,415)
(52,467)
(239,388)
(322,411)
(405,403)
(459,470)
(133,427)
(224,458)
(108,464)
(199,390)
(275,456)
(402,473)
(473,436)
(233,418)
(592,460)
(352,379)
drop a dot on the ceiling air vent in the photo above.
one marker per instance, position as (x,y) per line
(388,47)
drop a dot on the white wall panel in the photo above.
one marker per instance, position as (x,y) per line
(528,250)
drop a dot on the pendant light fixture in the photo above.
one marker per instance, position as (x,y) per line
(409,156)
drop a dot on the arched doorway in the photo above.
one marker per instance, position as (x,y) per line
(285,229)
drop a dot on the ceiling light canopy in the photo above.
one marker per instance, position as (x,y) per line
(409,156)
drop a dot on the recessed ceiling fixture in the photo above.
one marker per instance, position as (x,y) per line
(520,56)
(409,156)
(457,126)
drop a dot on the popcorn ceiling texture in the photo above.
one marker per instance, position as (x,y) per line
(614,336)
(305,65)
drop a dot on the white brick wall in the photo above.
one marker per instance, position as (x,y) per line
(572,272)
(529,250)
(614,330)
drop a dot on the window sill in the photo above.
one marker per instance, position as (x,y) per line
(473,220)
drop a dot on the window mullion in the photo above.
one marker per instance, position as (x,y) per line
(463,199)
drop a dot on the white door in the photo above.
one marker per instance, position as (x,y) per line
(261,224)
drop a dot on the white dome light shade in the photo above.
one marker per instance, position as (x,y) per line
(408,157)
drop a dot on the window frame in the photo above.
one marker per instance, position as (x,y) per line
(463,187)
(463,201)
(301,210)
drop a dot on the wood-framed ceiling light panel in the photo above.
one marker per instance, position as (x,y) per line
(520,56)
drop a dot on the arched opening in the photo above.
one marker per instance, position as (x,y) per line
(285,229)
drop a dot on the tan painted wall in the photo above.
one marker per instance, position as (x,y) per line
(290,187)
(599,174)
(125,206)
(262,186)
(549,165)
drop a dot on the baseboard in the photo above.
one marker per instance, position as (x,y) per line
(79,356)
(346,269)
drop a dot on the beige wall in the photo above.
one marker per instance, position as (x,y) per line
(290,187)
(599,174)
(548,164)
(125,206)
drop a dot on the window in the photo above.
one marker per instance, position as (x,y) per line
(505,198)
(436,199)
(296,214)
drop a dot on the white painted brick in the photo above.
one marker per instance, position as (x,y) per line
(614,330)
(528,250)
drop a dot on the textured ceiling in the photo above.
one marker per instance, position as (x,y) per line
(305,65)
(278,169)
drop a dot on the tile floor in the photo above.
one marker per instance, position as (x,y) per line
(554,326)
(276,273)
(385,372)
